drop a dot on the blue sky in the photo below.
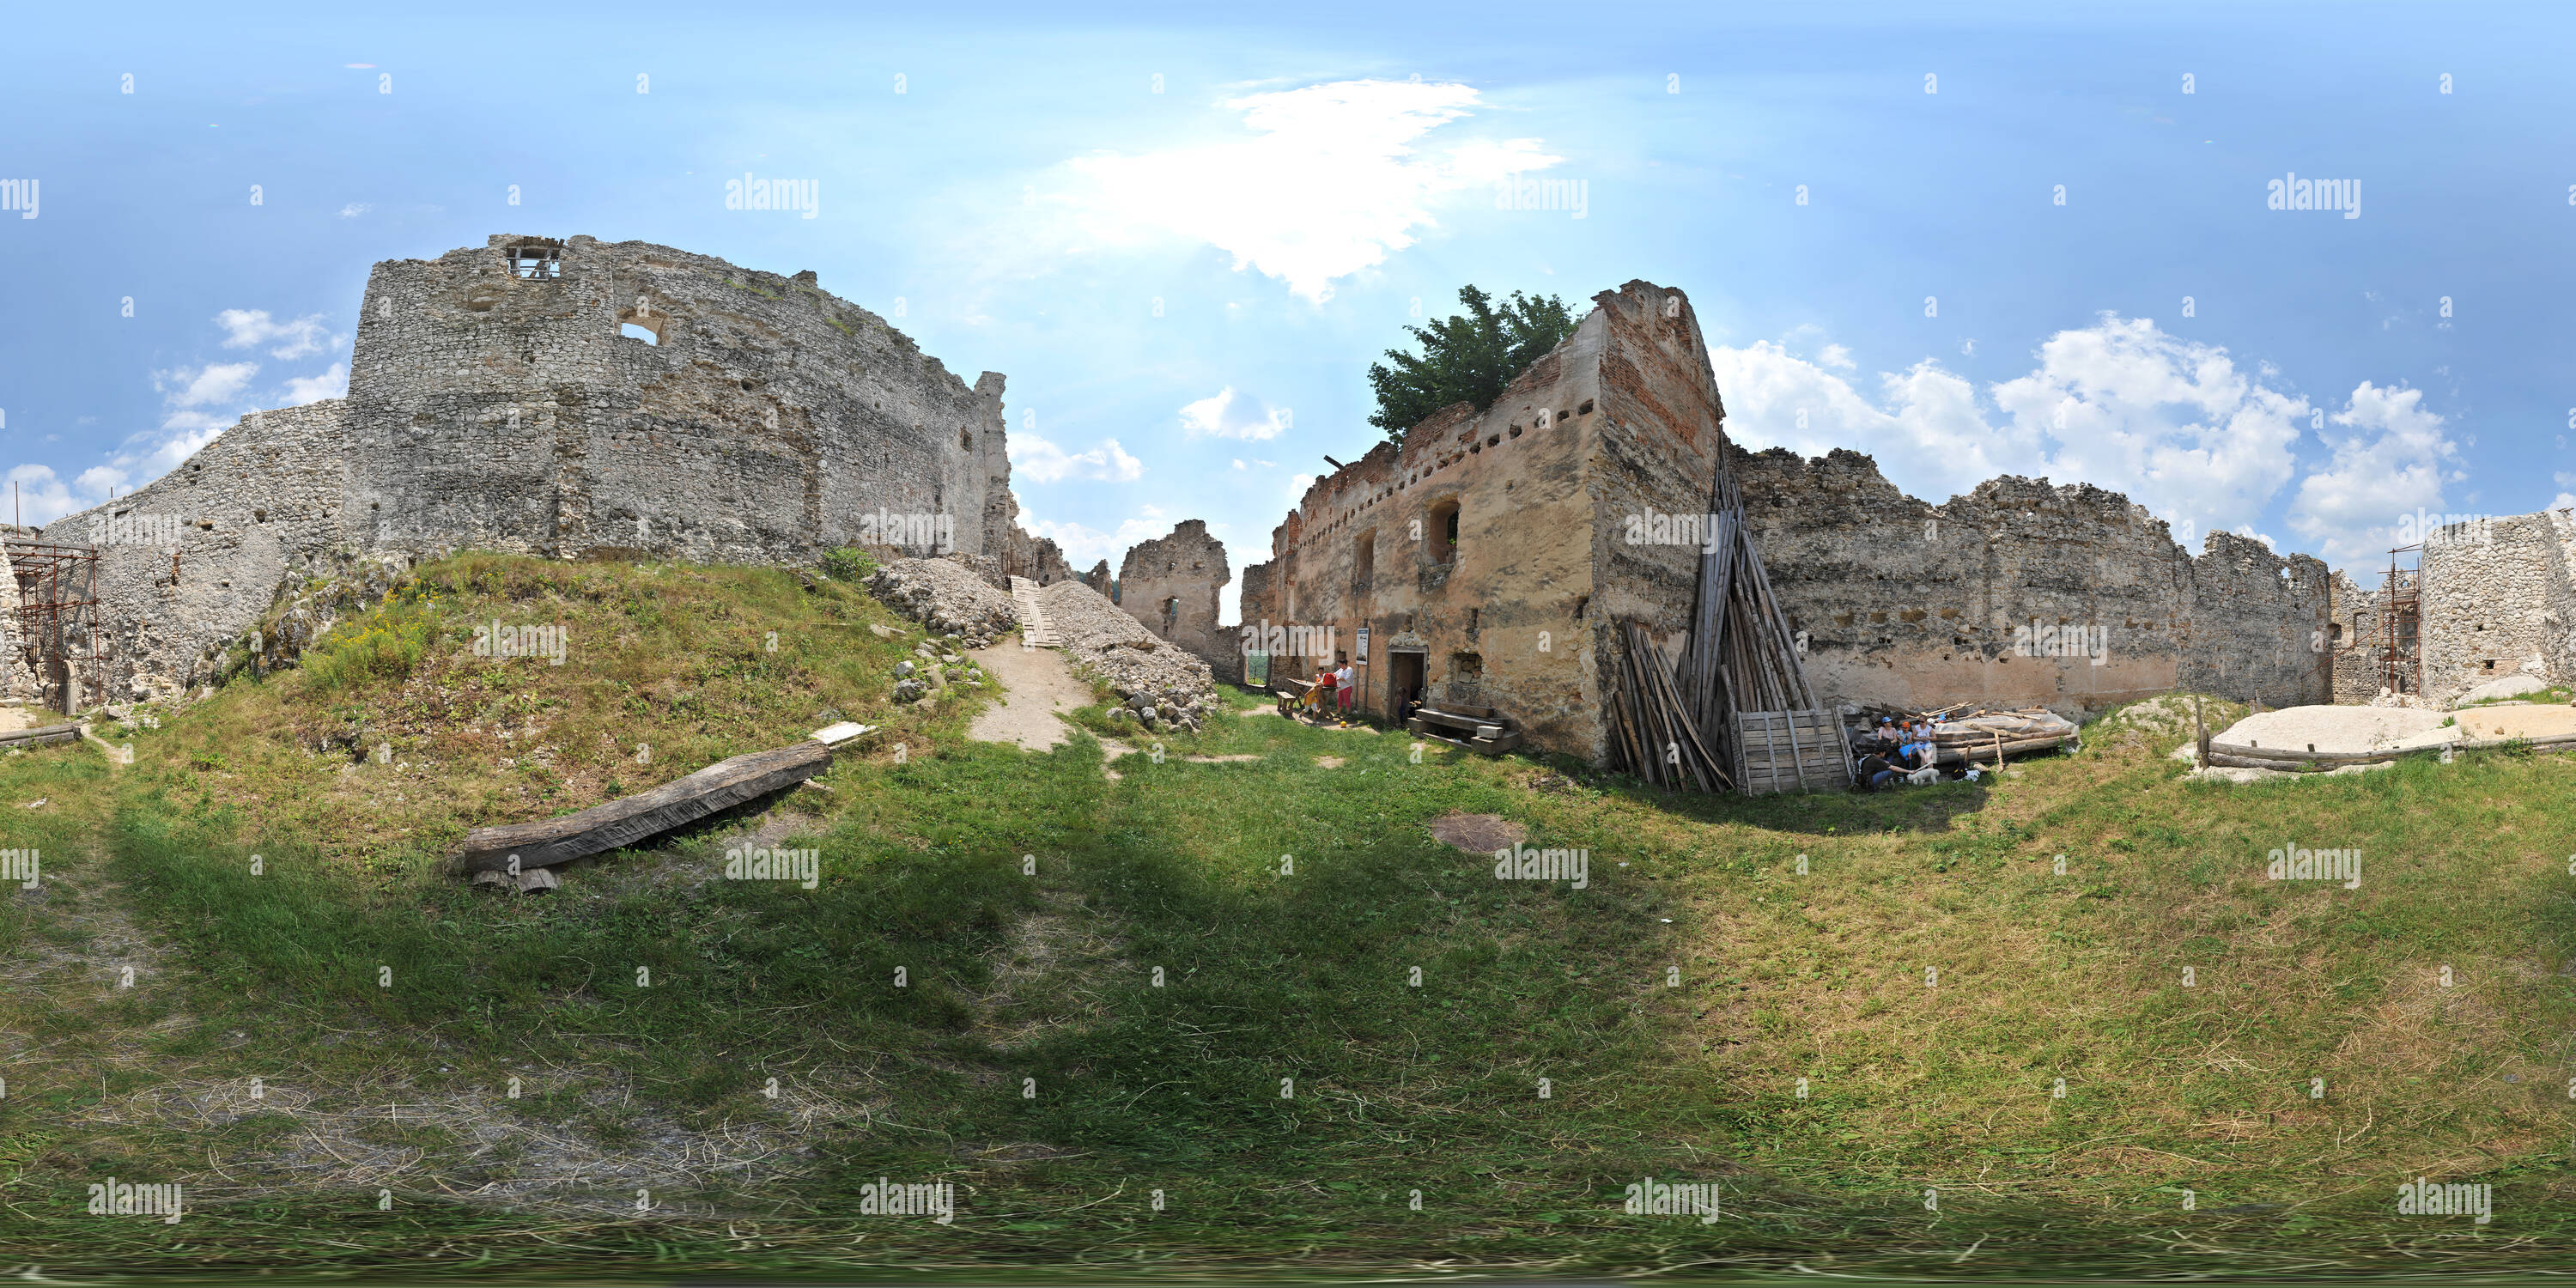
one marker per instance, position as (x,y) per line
(1186,287)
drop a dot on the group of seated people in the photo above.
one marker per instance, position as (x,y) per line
(1896,749)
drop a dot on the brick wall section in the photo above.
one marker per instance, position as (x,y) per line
(1909,605)
(1171,585)
(490,411)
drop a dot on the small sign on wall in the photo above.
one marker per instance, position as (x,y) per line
(1362,655)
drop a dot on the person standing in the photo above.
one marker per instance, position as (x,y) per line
(1342,687)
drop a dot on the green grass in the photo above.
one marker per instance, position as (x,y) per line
(1029,1055)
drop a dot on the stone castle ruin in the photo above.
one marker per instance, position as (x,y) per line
(2487,599)
(578,398)
(569,399)
(1488,560)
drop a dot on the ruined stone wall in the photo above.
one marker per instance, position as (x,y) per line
(1036,558)
(258,505)
(767,421)
(495,411)
(1171,584)
(2354,635)
(2498,600)
(1911,606)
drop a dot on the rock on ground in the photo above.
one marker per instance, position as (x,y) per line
(945,595)
(2512,686)
(1102,640)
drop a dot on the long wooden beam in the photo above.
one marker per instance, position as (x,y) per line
(621,823)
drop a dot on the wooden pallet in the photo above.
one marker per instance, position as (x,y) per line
(1791,750)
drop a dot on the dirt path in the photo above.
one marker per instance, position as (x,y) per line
(1036,684)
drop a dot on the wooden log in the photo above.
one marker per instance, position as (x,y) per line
(621,823)
(50,733)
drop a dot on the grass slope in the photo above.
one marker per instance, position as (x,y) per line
(1218,1015)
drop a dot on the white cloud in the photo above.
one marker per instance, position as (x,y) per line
(1835,355)
(41,497)
(1227,414)
(333,383)
(2176,425)
(1238,464)
(2388,467)
(247,327)
(214,382)
(1085,546)
(355,209)
(1045,462)
(1330,180)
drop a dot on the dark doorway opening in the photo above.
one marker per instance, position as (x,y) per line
(1404,684)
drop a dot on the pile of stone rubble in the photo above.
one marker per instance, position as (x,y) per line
(946,596)
(1157,683)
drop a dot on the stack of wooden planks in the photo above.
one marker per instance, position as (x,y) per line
(1679,726)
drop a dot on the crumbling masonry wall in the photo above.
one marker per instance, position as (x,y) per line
(1621,415)
(495,403)
(1908,605)
(2498,601)
(1171,584)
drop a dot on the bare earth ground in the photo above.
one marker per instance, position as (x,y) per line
(2516,722)
(1036,685)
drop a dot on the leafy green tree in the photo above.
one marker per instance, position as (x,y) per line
(1468,358)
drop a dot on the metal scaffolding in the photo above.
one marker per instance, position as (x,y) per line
(2401,598)
(57,631)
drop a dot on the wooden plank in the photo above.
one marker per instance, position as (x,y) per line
(621,823)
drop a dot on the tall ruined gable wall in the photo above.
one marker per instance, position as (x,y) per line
(261,503)
(1654,452)
(1189,568)
(501,412)
(1908,605)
